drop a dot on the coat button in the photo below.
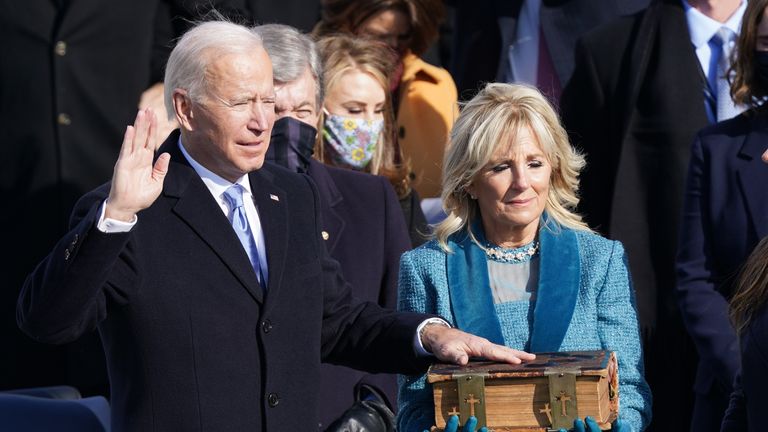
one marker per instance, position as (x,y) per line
(63,119)
(401,132)
(273,399)
(266,326)
(60,48)
(325,235)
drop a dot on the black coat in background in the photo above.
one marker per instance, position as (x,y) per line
(366,234)
(634,104)
(484,29)
(71,76)
(192,341)
(725,215)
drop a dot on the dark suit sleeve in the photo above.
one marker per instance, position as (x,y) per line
(703,307)
(735,419)
(397,242)
(362,335)
(65,296)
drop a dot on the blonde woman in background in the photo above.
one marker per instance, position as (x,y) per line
(424,96)
(357,121)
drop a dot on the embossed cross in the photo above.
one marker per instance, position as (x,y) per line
(563,399)
(472,401)
(547,411)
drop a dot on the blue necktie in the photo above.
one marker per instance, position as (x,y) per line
(724,41)
(234,197)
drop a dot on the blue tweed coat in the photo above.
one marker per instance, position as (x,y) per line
(584,302)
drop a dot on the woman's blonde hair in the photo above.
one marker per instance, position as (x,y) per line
(491,119)
(341,54)
(751,287)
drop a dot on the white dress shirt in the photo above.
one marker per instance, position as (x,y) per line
(702,28)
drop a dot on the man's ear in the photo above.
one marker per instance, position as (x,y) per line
(182,106)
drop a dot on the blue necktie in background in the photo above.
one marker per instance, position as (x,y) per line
(724,40)
(234,197)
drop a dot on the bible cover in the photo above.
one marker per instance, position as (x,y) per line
(542,395)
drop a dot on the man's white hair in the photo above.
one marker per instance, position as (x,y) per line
(196,50)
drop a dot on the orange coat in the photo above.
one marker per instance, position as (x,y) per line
(426,112)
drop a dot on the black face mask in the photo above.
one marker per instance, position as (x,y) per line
(292,144)
(761,68)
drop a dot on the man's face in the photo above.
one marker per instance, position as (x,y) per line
(228,129)
(298,99)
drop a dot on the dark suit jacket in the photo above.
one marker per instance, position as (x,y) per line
(724,217)
(748,400)
(366,234)
(192,343)
(484,30)
(88,61)
(633,105)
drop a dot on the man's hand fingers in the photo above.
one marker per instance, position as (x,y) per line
(127,146)
(143,122)
(161,167)
(151,143)
(500,353)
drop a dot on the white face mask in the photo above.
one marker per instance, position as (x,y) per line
(353,140)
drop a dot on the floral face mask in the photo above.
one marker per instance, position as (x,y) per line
(352,140)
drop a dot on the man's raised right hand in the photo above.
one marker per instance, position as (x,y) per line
(136,182)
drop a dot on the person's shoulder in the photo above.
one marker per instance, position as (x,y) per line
(427,253)
(593,244)
(283,177)
(359,187)
(352,178)
(734,128)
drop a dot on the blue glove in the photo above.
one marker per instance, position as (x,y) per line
(453,425)
(590,425)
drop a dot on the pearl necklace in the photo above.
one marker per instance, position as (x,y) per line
(515,256)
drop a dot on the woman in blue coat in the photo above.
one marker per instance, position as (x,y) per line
(512,261)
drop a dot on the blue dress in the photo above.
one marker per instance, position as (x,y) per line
(591,285)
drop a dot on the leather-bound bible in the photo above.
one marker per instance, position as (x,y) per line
(542,395)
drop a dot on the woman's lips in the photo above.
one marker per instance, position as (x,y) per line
(521,202)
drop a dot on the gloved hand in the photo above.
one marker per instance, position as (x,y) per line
(453,425)
(590,425)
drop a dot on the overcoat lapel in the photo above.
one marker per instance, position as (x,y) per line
(330,200)
(469,289)
(272,204)
(753,175)
(199,210)
(559,281)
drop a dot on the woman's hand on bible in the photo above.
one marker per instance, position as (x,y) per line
(590,425)
(470,426)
